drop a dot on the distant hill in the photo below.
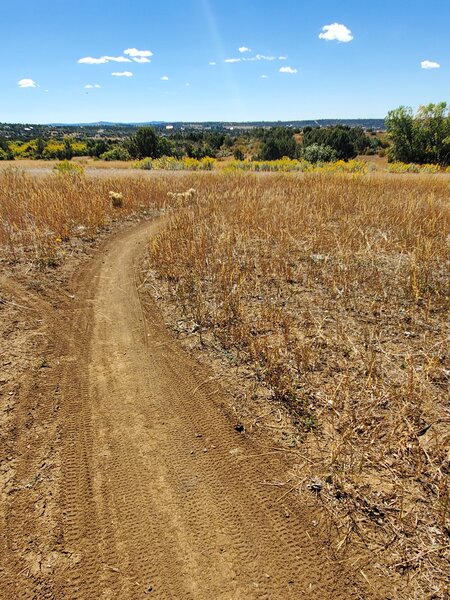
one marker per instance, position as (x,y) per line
(364,123)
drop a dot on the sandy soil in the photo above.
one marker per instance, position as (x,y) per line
(124,475)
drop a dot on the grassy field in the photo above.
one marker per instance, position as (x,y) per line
(40,215)
(334,294)
(331,294)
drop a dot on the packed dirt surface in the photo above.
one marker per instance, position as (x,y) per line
(127,477)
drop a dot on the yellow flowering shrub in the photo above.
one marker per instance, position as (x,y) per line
(288,165)
(399,167)
(170,163)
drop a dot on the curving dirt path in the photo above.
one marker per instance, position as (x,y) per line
(157,495)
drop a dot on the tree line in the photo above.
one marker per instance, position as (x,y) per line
(421,137)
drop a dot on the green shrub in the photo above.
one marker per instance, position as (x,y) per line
(345,141)
(117,153)
(319,153)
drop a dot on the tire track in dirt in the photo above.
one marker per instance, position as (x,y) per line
(30,546)
(160,496)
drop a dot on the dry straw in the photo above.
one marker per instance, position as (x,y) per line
(333,293)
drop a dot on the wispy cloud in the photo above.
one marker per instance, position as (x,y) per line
(164,78)
(89,60)
(289,70)
(92,86)
(260,57)
(264,77)
(122,74)
(243,49)
(255,58)
(429,64)
(139,56)
(27,83)
(212,63)
(337,32)
(131,54)
(135,53)
(118,59)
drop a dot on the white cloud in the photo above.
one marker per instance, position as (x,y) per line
(212,64)
(27,83)
(290,70)
(141,59)
(89,60)
(260,57)
(282,58)
(337,32)
(91,87)
(429,64)
(135,53)
(264,77)
(122,74)
(244,49)
(164,78)
(119,59)
(257,57)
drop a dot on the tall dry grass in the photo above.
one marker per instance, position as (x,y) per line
(334,293)
(39,213)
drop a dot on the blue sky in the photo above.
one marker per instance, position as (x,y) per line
(367,60)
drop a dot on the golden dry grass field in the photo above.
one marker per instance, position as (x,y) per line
(322,303)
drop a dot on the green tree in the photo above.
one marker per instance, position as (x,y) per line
(340,138)
(434,123)
(423,137)
(5,151)
(66,153)
(278,142)
(401,126)
(96,148)
(40,147)
(144,144)
(165,147)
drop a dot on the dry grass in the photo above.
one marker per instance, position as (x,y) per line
(334,293)
(87,162)
(38,215)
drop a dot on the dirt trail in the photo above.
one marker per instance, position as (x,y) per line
(158,495)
